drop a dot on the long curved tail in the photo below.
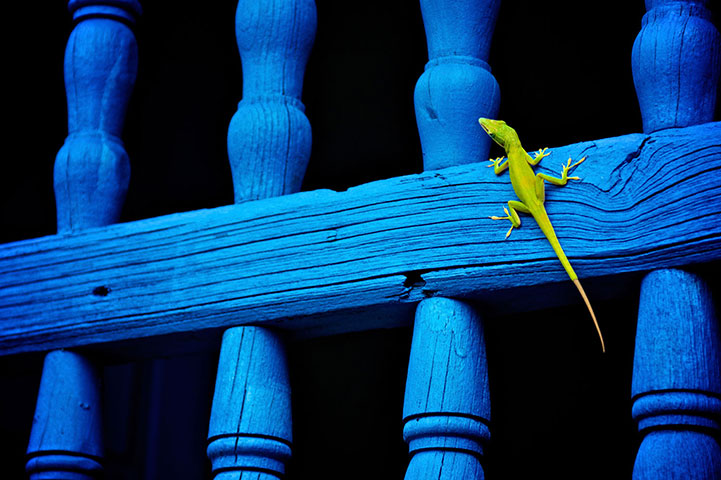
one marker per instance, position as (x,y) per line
(590,309)
(544,223)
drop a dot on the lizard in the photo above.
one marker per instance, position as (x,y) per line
(530,189)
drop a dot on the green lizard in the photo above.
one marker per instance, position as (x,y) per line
(530,190)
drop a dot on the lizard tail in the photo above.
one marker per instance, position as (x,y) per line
(590,309)
(545,224)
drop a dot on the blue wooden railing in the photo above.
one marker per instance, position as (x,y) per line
(447,412)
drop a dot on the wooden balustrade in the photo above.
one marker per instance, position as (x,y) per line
(269,140)
(677,363)
(376,250)
(676,389)
(447,405)
(91,178)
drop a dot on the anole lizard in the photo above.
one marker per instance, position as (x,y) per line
(530,190)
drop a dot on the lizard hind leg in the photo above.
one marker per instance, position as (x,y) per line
(514,207)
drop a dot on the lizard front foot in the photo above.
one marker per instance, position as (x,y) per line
(540,155)
(568,166)
(495,162)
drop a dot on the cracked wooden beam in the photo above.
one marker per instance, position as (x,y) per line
(326,262)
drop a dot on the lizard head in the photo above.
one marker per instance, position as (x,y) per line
(499,131)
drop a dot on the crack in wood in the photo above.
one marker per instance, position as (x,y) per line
(308,259)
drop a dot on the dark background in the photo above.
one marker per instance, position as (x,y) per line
(564,68)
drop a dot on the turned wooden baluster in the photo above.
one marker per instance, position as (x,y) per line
(269,137)
(456,87)
(447,403)
(269,140)
(675,64)
(677,362)
(91,178)
(677,379)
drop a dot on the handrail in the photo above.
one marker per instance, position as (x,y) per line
(375,248)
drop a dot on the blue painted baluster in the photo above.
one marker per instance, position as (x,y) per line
(447,402)
(250,424)
(91,178)
(92,169)
(66,439)
(269,137)
(457,86)
(269,140)
(677,379)
(675,62)
(677,362)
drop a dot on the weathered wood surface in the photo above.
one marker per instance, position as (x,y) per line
(677,361)
(250,426)
(91,175)
(456,86)
(675,62)
(447,405)
(644,202)
(66,440)
(269,143)
(269,137)
(677,379)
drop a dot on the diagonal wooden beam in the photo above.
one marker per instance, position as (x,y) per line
(323,262)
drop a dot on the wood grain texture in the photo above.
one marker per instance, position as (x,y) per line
(677,379)
(446,398)
(675,60)
(644,202)
(91,175)
(250,423)
(66,438)
(269,137)
(446,411)
(677,363)
(269,141)
(456,87)
(92,169)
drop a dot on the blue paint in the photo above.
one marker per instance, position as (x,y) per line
(446,411)
(457,86)
(269,138)
(250,424)
(66,439)
(92,169)
(675,61)
(677,379)
(269,142)
(677,361)
(279,259)
(447,405)
(122,10)
(91,178)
